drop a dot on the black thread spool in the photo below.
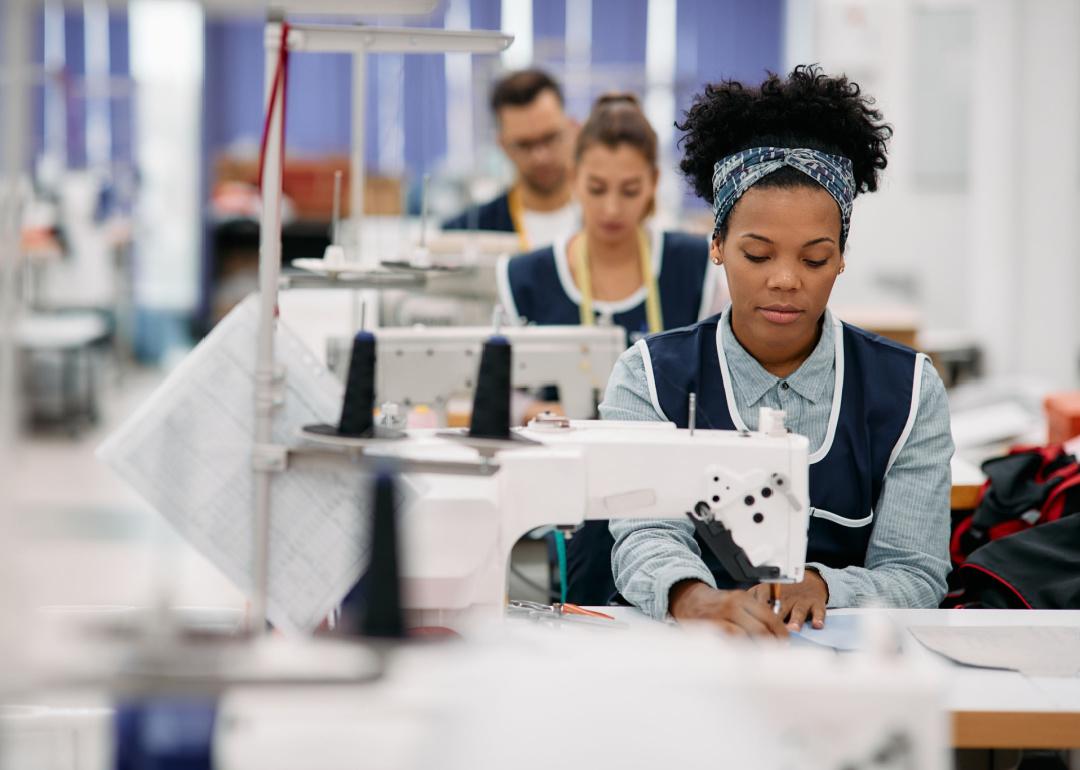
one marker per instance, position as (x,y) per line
(381,584)
(358,408)
(491,402)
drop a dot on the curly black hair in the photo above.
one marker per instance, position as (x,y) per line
(807,109)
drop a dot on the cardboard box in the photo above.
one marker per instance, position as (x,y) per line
(1062,416)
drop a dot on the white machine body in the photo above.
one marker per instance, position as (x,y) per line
(497,703)
(458,534)
(430,365)
(496,700)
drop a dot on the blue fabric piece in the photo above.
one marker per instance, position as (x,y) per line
(847,481)
(493,215)
(166,733)
(737,173)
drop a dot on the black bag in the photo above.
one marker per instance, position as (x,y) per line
(1020,548)
(1037,569)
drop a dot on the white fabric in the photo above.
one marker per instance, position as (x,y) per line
(543,228)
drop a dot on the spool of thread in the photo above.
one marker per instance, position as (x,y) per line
(357,410)
(164,731)
(491,402)
(381,615)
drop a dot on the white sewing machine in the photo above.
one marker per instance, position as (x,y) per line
(751,489)
(429,365)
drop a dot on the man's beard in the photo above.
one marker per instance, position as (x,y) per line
(541,186)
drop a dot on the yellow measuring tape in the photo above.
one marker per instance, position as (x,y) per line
(517,216)
(652,293)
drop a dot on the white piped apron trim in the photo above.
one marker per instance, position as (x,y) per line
(506,294)
(729,391)
(913,412)
(820,513)
(650,378)
(838,395)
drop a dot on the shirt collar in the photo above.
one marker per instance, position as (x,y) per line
(752,381)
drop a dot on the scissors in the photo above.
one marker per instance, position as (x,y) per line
(555,610)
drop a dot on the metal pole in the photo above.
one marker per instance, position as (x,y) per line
(335,221)
(14,112)
(269,269)
(353,248)
(15,37)
(357,166)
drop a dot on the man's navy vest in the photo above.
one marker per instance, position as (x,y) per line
(540,285)
(493,215)
(874,406)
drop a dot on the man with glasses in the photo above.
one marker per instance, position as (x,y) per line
(537,136)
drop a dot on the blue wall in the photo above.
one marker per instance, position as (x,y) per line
(716,39)
(726,39)
(549,23)
(318,116)
(121,111)
(618,31)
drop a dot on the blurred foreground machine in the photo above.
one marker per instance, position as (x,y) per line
(496,699)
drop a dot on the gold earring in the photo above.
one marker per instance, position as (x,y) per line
(716,261)
(841,268)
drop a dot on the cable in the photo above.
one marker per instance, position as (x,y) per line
(281,73)
(560,552)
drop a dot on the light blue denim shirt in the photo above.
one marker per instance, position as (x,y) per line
(907,560)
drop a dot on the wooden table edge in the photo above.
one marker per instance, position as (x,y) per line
(1015,730)
(964,496)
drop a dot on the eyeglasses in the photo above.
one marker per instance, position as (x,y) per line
(544,143)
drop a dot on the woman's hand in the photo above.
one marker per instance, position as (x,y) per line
(740,613)
(800,602)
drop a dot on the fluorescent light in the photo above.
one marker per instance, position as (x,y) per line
(329,7)
(363,39)
(517,19)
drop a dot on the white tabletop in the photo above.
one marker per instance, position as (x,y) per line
(990,708)
(965,473)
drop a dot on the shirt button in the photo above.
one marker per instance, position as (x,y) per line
(784,385)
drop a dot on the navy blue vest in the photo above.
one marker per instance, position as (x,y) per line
(538,285)
(493,215)
(875,399)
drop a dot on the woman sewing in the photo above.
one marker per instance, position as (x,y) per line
(615,271)
(781,165)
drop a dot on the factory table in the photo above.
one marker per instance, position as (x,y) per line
(989,708)
(967,480)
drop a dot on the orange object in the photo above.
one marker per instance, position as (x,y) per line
(309,184)
(1062,416)
(575,609)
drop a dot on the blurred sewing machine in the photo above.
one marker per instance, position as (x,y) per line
(421,365)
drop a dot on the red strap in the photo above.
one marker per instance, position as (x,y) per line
(1054,506)
(281,78)
(956,549)
(1006,528)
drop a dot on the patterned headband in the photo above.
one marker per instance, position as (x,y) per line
(735,174)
